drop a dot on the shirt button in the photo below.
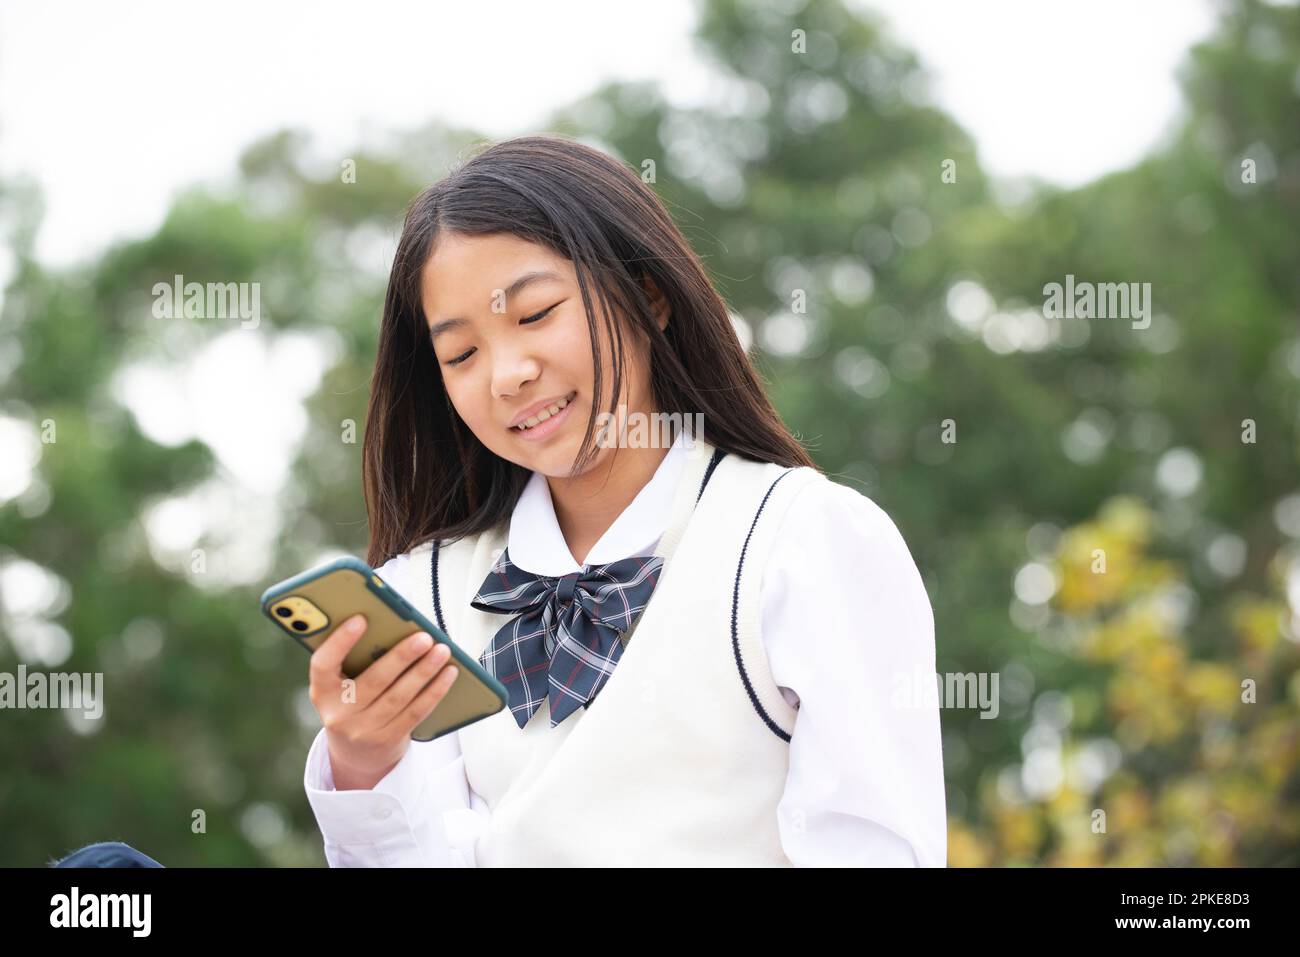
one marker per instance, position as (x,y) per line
(383,813)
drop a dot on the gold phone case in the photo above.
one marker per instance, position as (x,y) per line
(310,606)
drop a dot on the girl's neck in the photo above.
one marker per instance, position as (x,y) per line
(587,505)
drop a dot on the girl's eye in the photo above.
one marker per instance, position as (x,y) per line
(541,315)
(459,359)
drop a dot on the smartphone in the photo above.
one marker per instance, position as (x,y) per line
(309,606)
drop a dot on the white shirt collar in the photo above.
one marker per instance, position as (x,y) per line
(537,545)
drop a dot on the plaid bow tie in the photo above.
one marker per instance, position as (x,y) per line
(564,638)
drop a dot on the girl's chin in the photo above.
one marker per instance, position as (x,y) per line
(553,459)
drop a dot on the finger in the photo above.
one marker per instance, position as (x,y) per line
(375,680)
(410,717)
(406,687)
(327,660)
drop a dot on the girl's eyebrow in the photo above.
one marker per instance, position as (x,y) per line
(527,279)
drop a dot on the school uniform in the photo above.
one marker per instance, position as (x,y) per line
(752,718)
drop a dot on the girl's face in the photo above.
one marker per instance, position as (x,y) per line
(510,336)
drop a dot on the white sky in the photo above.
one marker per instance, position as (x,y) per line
(114,106)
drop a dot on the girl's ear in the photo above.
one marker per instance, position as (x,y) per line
(658,303)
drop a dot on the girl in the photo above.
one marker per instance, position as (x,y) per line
(701,634)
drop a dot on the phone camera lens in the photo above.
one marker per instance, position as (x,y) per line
(284,612)
(300,625)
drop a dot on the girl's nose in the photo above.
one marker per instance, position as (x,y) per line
(511,371)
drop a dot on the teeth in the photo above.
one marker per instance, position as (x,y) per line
(542,416)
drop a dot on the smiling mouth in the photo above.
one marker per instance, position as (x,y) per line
(547,413)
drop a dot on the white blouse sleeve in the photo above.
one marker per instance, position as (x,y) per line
(421,814)
(846,621)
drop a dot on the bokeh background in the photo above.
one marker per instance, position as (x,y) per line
(158,473)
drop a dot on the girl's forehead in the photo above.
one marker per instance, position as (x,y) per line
(467,272)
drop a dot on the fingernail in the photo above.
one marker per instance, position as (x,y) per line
(423,640)
(355,623)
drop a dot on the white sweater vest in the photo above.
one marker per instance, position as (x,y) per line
(681,759)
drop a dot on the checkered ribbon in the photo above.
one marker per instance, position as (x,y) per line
(563,641)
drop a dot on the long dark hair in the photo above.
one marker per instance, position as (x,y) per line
(426,475)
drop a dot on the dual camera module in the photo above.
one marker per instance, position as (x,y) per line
(297,624)
(299,615)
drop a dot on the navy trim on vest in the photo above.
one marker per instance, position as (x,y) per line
(437,598)
(708,472)
(735,612)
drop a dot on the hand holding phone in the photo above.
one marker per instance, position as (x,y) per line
(377,686)
(369,729)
